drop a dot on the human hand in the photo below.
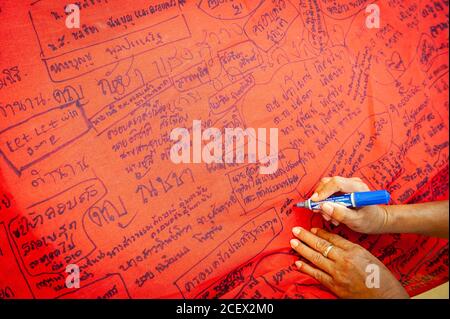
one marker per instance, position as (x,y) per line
(368,219)
(342,268)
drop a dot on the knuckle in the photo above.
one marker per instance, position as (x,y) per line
(348,246)
(363,185)
(331,186)
(321,245)
(336,182)
(317,258)
(318,275)
(348,262)
(339,276)
(356,249)
(340,212)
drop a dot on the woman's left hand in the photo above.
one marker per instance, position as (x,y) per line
(344,268)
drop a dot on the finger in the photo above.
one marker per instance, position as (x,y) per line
(336,240)
(319,187)
(316,258)
(318,245)
(317,274)
(338,212)
(340,184)
(328,218)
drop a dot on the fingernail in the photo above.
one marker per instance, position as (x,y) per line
(315,196)
(313,230)
(298,264)
(326,217)
(327,208)
(296,230)
(294,243)
(335,222)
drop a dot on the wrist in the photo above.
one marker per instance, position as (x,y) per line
(384,219)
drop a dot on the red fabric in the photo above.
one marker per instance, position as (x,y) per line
(86,114)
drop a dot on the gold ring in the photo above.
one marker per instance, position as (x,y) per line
(327,251)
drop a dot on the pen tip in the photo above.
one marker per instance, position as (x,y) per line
(300,205)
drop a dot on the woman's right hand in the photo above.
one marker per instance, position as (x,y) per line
(368,219)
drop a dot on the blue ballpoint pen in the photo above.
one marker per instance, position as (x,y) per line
(352,200)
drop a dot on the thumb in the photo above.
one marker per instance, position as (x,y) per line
(338,212)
